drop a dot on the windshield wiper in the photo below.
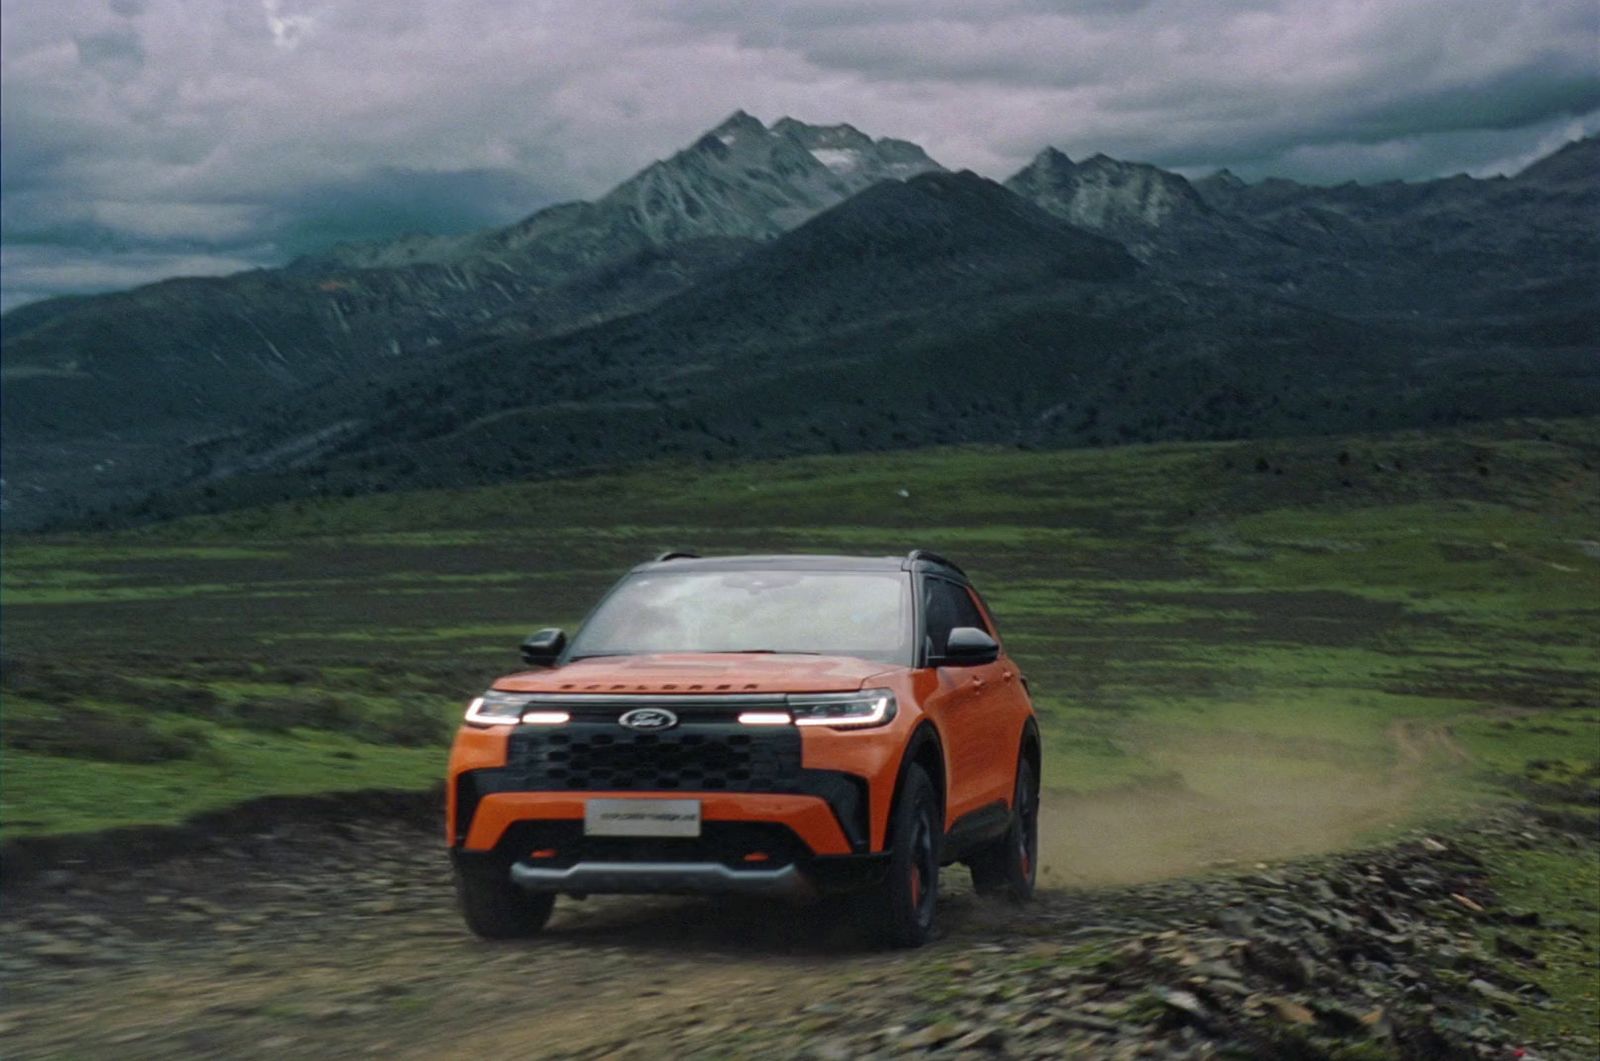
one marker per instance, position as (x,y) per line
(703,651)
(768,652)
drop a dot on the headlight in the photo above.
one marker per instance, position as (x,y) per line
(870,707)
(495,708)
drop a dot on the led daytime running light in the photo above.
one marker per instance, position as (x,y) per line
(871,707)
(495,708)
(764,718)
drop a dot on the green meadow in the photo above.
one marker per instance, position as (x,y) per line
(1423,601)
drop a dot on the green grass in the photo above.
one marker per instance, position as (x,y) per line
(1393,612)
(1153,594)
(1563,887)
(46,794)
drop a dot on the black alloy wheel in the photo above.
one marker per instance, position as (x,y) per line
(495,908)
(1009,867)
(899,913)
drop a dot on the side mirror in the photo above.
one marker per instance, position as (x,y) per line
(969,647)
(543,647)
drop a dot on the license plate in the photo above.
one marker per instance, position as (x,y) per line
(641,817)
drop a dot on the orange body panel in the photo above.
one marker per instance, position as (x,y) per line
(874,754)
(809,817)
(795,751)
(978,712)
(697,674)
(733,682)
(975,711)
(474,749)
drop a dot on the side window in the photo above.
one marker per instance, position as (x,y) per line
(967,613)
(946,606)
(990,623)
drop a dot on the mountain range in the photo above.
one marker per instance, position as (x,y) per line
(797,288)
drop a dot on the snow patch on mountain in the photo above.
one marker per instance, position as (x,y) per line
(838,159)
(749,180)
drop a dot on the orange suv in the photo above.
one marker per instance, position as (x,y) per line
(781,725)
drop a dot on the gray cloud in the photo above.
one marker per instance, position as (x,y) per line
(393,201)
(114,53)
(141,138)
(37,271)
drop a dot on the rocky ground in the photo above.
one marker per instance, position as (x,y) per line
(340,940)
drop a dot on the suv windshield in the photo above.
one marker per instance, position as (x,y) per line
(863,614)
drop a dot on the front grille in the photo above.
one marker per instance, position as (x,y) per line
(584,756)
(708,751)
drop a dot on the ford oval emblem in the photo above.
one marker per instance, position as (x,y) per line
(649,718)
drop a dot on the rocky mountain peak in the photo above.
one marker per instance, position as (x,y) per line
(1050,168)
(841,135)
(1224,178)
(930,240)
(1574,165)
(934,216)
(855,156)
(747,180)
(1221,190)
(1051,159)
(753,250)
(1106,195)
(735,127)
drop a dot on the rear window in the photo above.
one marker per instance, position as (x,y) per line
(834,613)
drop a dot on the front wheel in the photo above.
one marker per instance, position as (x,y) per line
(899,913)
(495,908)
(1009,867)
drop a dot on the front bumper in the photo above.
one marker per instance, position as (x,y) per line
(664,878)
(809,818)
(644,871)
(739,772)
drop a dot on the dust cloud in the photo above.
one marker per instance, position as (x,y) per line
(1229,801)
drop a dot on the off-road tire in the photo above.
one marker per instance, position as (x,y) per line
(1008,867)
(495,908)
(899,912)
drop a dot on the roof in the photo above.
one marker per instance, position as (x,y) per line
(916,560)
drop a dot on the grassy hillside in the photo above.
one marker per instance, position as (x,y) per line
(1298,606)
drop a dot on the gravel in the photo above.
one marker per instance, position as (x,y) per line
(341,940)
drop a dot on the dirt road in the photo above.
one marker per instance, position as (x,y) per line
(1231,800)
(341,940)
(350,944)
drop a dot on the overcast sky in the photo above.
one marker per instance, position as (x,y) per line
(150,138)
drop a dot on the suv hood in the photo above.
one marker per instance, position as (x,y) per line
(700,673)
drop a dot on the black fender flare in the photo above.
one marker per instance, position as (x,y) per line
(924,743)
(1031,739)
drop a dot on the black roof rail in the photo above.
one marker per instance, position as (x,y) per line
(933,558)
(676,554)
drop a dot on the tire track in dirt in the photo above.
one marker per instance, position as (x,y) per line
(342,941)
(1228,799)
